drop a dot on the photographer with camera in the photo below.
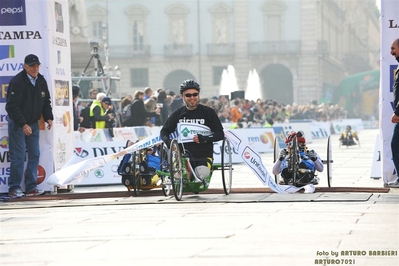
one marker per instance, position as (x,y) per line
(101,112)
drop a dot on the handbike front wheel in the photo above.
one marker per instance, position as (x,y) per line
(227,166)
(175,169)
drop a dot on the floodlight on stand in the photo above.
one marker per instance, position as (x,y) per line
(117,71)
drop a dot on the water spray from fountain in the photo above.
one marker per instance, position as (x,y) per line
(253,91)
(228,82)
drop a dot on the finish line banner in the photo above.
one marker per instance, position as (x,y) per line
(75,172)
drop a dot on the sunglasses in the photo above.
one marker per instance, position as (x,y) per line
(189,95)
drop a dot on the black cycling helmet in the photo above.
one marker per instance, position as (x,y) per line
(189,84)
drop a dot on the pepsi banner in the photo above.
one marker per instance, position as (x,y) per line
(38,27)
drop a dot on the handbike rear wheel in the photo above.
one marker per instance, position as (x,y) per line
(329,161)
(227,166)
(294,160)
(175,169)
(276,150)
(166,184)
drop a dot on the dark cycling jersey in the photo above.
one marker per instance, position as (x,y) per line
(203,115)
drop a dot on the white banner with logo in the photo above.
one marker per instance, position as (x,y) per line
(41,28)
(389,32)
(320,130)
(339,126)
(305,127)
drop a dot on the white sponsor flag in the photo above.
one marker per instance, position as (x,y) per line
(73,172)
(254,161)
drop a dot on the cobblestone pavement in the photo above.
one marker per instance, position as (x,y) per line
(324,228)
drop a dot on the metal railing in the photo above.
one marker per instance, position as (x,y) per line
(123,51)
(178,50)
(222,49)
(274,47)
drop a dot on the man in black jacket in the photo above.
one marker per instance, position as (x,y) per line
(201,149)
(77,119)
(138,113)
(28,98)
(395,117)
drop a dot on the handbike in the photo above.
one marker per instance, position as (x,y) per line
(302,175)
(137,175)
(349,139)
(179,171)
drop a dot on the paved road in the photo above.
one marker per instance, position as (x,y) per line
(213,229)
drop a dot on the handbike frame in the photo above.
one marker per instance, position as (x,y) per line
(179,170)
(294,164)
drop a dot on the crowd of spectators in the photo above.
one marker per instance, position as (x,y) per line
(268,112)
(242,112)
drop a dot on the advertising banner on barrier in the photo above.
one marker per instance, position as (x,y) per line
(305,127)
(320,130)
(37,27)
(339,126)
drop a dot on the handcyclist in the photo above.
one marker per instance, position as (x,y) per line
(309,162)
(200,150)
(348,137)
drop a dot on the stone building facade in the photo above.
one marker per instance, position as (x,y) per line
(301,49)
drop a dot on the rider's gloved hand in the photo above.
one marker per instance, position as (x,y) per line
(283,154)
(201,138)
(312,155)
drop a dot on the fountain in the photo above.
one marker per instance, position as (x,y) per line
(228,83)
(253,90)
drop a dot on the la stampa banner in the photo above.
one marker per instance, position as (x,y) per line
(38,27)
(389,33)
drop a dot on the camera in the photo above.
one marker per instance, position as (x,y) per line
(94,44)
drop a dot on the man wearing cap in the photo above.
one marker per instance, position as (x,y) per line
(28,98)
(101,111)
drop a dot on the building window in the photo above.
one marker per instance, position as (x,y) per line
(139,77)
(99,29)
(217,74)
(273,14)
(97,16)
(221,31)
(177,14)
(137,16)
(138,36)
(274,28)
